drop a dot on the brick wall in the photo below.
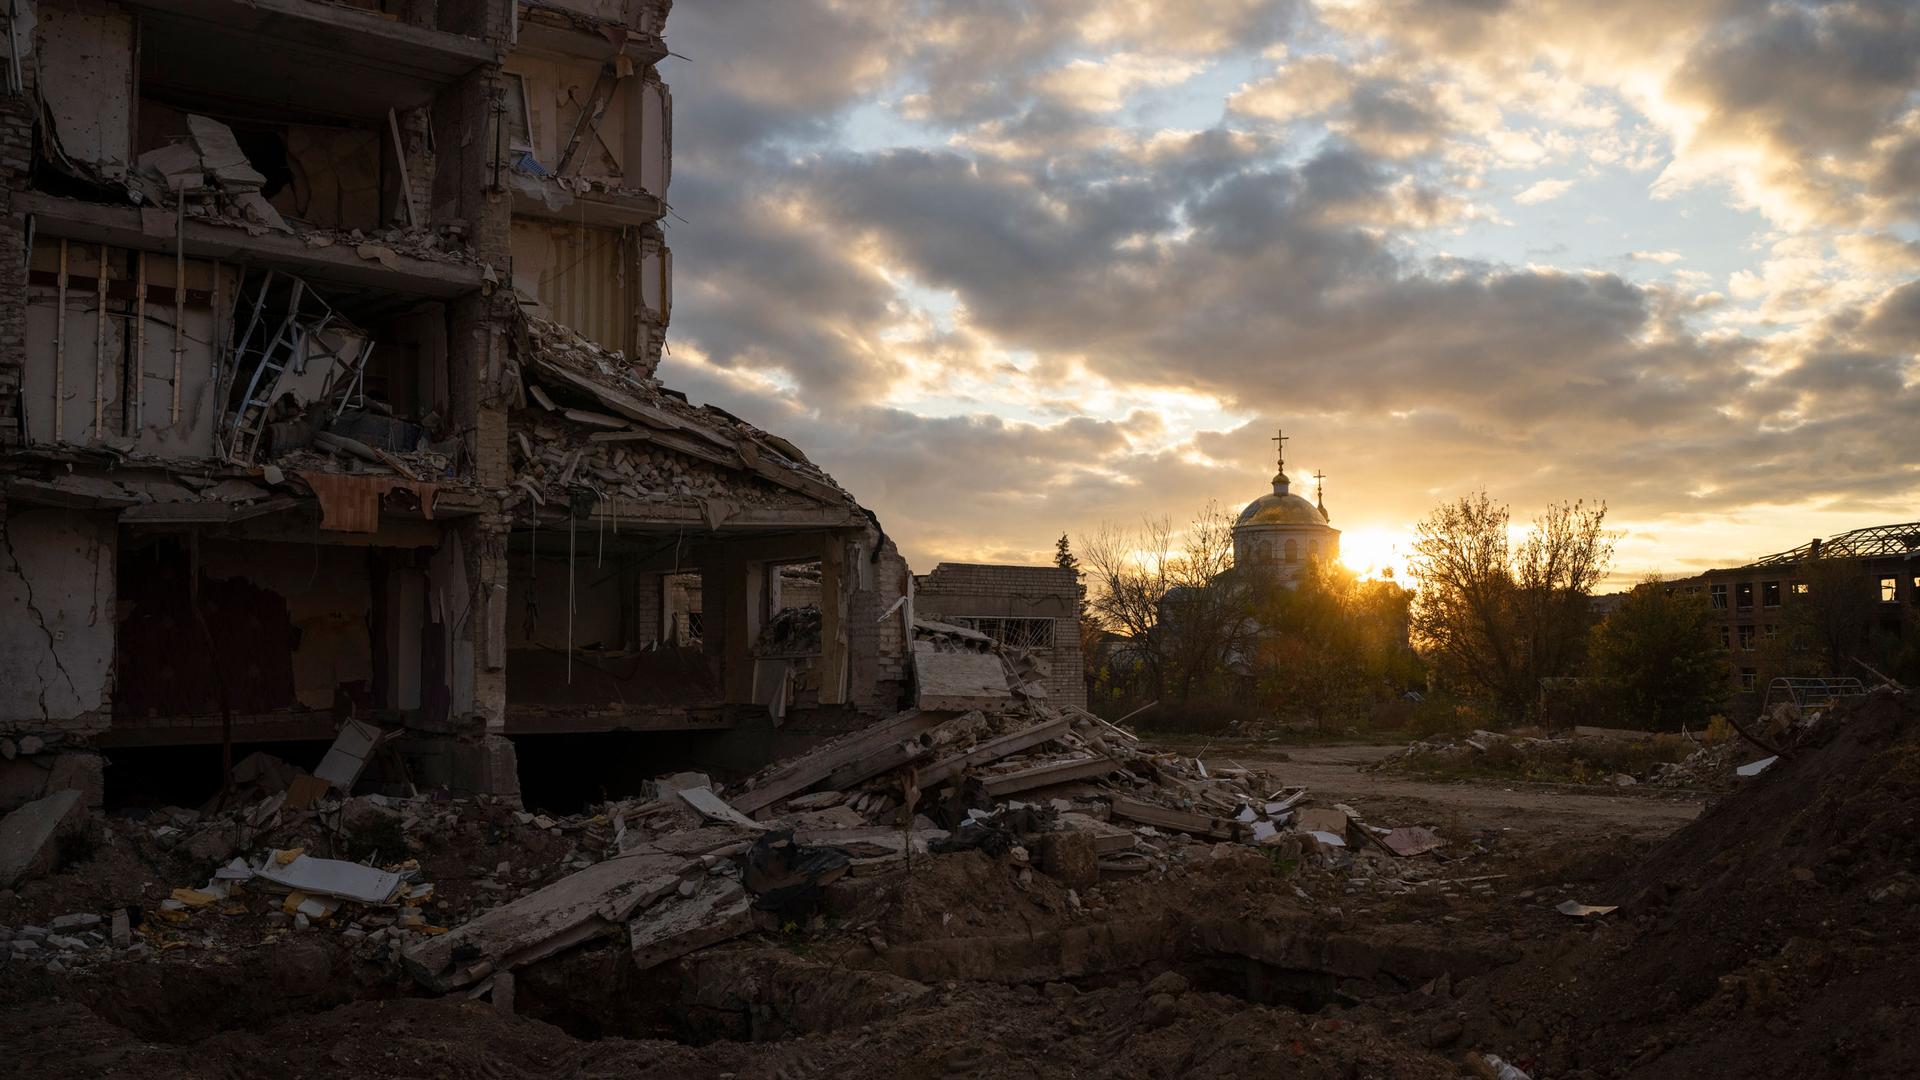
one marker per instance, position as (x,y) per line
(16,159)
(878,645)
(982,590)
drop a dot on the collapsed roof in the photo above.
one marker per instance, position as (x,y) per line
(595,422)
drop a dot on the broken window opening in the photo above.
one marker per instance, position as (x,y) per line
(1717,596)
(1770,594)
(305,377)
(1024,633)
(1746,639)
(1743,596)
(681,599)
(791,607)
(1889,590)
(1749,678)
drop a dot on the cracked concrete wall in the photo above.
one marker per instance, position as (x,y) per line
(56,645)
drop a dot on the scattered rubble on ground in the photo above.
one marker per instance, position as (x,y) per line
(1599,756)
(937,871)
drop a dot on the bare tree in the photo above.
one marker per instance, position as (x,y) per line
(1495,620)
(1126,572)
(1206,621)
(1170,596)
(1563,558)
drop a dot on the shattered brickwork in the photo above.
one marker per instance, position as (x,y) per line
(16,156)
(876,633)
(971,591)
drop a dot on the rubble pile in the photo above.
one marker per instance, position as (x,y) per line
(275,870)
(209,172)
(793,631)
(637,440)
(551,456)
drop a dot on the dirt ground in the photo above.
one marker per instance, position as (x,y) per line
(1765,931)
(1544,812)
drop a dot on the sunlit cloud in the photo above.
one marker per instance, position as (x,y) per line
(1017,269)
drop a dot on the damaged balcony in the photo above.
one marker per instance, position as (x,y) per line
(588,123)
(585,27)
(249,369)
(333,59)
(344,191)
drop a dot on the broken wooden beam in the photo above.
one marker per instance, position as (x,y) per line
(1161,817)
(886,758)
(813,767)
(1053,772)
(991,751)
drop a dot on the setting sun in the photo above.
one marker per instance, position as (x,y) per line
(1376,553)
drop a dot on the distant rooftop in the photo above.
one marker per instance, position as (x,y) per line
(1874,542)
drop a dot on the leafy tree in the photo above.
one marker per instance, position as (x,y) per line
(1495,620)
(1332,645)
(1659,653)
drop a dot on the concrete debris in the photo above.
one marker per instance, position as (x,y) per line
(1411,840)
(328,877)
(1579,910)
(593,902)
(715,809)
(638,442)
(30,836)
(958,679)
(348,755)
(711,911)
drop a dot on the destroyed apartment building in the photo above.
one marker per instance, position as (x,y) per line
(328,404)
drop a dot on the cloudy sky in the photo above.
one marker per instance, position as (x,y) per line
(1010,268)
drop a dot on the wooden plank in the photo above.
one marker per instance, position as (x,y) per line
(892,756)
(992,750)
(1054,772)
(811,768)
(1161,817)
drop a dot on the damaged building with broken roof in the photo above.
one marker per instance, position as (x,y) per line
(327,392)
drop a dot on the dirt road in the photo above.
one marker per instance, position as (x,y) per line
(1336,773)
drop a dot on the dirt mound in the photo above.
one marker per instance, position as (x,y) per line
(1773,936)
(1148,1028)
